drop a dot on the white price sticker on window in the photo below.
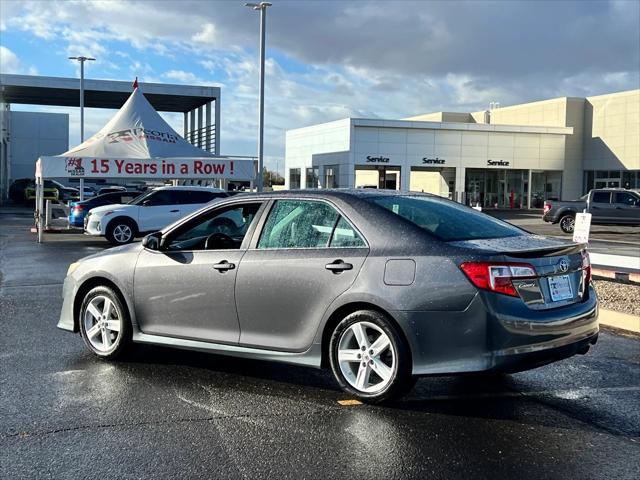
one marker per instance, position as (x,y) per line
(582,227)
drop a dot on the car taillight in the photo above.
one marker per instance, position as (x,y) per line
(586,268)
(497,277)
(546,208)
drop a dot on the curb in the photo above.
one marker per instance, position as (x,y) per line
(620,321)
(621,276)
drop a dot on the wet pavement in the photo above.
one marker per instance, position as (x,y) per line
(174,414)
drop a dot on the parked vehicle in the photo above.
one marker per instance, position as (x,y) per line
(50,191)
(78,210)
(111,189)
(151,211)
(17,189)
(381,286)
(609,206)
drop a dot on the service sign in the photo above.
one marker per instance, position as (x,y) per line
(582,227)
(89,167)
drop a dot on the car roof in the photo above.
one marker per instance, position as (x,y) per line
(341,193)
(189,187)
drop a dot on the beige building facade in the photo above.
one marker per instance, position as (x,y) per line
(510,157)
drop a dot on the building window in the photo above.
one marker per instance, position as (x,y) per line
(331,173)
(294,178)
(312,177)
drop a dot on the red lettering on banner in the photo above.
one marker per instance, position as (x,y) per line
(201,168)
(119,164)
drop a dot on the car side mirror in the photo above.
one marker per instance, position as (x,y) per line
(153,241)
(145,202)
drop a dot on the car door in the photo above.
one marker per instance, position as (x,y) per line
(186,289)
(160,209)
(306,255)
(601,208)
(627,207)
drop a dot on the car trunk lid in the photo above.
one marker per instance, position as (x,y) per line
(561,268)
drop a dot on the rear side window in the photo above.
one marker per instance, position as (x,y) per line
(307,224)
(200,196)
(601,197)
(446,220)
(344,235)
(626,198)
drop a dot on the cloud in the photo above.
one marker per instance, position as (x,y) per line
(10,63)
(328,60)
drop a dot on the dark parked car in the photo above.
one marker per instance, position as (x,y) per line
(78,210)
(111,189)
(382,287)
(607,207)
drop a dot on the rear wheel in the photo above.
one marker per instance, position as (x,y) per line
(369,357)
(104,323)
(121,231)
(567,223)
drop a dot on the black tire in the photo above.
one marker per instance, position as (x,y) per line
(117,229)
(122,341)
(401,380)
(567,223)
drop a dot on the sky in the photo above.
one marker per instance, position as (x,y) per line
(328,60)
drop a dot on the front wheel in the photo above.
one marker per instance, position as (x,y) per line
(121,231)
(567,223)
(369,358)
(104,323)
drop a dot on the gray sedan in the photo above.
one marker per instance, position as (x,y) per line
(381,286)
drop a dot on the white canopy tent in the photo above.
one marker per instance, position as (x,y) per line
(138,143)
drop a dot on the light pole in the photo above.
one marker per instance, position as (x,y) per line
(82,60)
(262,7)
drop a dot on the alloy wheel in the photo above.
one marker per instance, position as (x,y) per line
(122,233)
(568,224)
(102,323)
(367,357)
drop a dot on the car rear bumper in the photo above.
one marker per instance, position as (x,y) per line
(477,339)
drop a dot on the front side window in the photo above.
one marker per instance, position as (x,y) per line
(601,197)
(446,220)
(222,229)
(307,224)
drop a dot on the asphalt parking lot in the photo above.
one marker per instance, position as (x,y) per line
(173,414)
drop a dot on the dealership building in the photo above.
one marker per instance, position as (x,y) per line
(510,157)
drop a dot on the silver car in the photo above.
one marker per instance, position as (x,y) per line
(381,286)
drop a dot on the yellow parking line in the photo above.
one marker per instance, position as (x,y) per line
(350,402)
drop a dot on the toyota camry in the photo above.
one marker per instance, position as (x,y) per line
(382,287)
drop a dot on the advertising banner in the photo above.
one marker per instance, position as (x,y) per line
(95,167)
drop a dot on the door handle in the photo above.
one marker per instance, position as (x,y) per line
(223,266)
(174,211)
(338,266)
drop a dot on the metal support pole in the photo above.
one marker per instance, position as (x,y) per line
(217,127)
(200,126)
(529,190)
(81,120)
(39,206)
(192,123)
(263,17)
(185,124)
(207,133)
(47,214)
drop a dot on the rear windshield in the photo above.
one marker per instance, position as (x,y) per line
(447,220)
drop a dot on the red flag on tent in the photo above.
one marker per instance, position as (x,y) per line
(135,83)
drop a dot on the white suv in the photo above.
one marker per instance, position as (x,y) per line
(149,212)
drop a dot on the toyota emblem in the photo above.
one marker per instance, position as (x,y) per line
(563,265)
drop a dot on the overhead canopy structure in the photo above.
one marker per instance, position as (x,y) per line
(138,143)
